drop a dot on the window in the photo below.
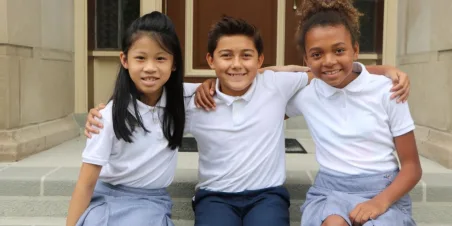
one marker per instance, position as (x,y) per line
(111,18)
(371,25)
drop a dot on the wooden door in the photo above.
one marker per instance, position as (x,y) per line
(291,54)
(261,13)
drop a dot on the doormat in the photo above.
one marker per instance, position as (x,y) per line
(292,146)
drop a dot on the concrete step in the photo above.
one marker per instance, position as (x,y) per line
(56,207)
(41,185)
(58,221)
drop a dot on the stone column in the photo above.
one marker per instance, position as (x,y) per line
(425,53)
(36,76)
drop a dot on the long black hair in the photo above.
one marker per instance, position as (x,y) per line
(161,29)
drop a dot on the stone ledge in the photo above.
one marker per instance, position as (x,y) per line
(60,182)
(435,145)
(19,143)
(56,207)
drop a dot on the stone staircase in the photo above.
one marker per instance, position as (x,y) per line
(37,190)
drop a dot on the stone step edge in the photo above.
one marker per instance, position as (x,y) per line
(182,209)
(17,181)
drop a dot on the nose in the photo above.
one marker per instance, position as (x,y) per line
(149,66)
(330,60)
(236,63)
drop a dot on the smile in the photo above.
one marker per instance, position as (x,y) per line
(237,74)
(331,72)
(148,79)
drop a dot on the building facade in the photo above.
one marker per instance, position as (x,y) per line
(62,59)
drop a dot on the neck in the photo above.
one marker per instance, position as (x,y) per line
(151,99)
(350,77)
(233,93)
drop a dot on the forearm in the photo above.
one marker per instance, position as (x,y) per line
(79,202)
(408,177)
(379,69)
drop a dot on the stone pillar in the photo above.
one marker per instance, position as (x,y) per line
(36,76)
(425,53)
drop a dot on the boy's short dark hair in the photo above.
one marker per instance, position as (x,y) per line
(228,26)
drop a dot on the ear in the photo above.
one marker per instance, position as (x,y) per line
(356,51)
(260,60)
(209,59)
(123,59)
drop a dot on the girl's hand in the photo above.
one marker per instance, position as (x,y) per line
(401,83)
(365,211)
(204,95)
(91,120)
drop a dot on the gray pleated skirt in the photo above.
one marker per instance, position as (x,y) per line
(121,205)
(338,195)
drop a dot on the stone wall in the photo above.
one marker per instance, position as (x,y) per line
(36,76)
(425,53)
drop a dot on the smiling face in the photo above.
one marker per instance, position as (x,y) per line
(236,62)
(149,66)
(330,54)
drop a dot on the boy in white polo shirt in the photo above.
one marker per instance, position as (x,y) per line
(241,143)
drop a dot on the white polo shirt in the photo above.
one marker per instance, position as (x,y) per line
(241,143)
(145,163)
(353,128)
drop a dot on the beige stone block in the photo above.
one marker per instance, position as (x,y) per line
(9,92)
(105,73)
(8,152)
(429,100)
(11,50)
(19,143)
(24,22)
(3,22)
(57,21)
(402,13)
(6,49)
(441,31)
(51,54)
(418,26)
(46,90)
(59,130)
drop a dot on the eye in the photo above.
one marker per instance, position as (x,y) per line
(315,55)
(225,55)
(340,51)
(139,57)
(247,55)
(161,58)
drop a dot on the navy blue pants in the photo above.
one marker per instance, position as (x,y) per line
(265,207)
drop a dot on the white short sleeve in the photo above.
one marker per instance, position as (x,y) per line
(294,107)
(289,83)
(400,120)
(98,148)
(190,88)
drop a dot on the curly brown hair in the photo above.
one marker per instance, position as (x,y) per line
(314,13)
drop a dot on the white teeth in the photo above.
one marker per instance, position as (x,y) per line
(238,74)
(148,79)
(331,72)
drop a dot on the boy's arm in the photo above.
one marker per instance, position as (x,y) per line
(401,87)
(92,119)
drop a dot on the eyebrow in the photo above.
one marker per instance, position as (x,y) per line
(318,48)
(229,50)
(145,53)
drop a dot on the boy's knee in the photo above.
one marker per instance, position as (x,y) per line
(334,220)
